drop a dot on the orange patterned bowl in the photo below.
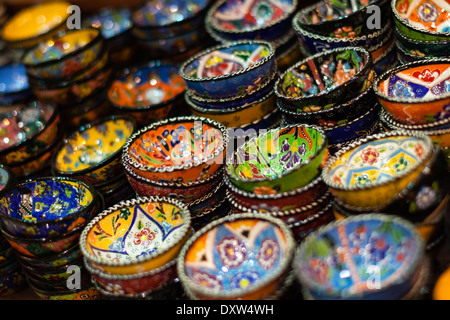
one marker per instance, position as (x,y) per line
(180,149)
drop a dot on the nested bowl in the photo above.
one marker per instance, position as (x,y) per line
(422,48)
(180,149)
(47,207)
(220,72)
(422,20)
(86,292)
(15,86)
(281,159)
(416,92)
(325,79)
(65,257)
(93,152)
(240,256)
(371,171)
(339,261)
(239,19)
(136,235)
(55,276)
(64,56)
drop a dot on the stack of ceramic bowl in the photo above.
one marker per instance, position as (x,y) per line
(328,25)
(93,154)
(422,29)
(333,90)
(233,84)
(397,172)
(278,173)
(131,248)
(149,93)
(181,158)
(15,86)
(42,219)
(365,257)
(170,29)
(228,21)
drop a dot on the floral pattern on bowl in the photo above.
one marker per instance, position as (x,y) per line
(431,15)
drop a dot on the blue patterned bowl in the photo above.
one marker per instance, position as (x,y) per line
(228,70)
(14,87)
(371,257)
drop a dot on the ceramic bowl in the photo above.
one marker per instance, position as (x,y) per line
(239,19)
(23,29)
(421,47)
(440,289)
(15,86)
(422,20)
(27,129)
(65,55)
(56,276)
(325,79)
(47,207)
(249,130)
(180,149)
(280,159)
(65,257)
(360,246)
(371,171)
(347,20)
(7,179)
(93,153)
(12,279)
(241,256)
(88,292)
(417,92)
(217,72)
(136,236)
(114,23)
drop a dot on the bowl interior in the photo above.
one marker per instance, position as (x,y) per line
(133,232)
(176,144)
(226,60)
(276,152)
(147,86)
(112,22)
(242,15)
(322,74)
(57,48)
(420,83)
(429,15)
(93,145)
(167,12)
(45,200)
(13,78)
(4,177)
(23,122)
(378,161)
(236,255)
(342,259)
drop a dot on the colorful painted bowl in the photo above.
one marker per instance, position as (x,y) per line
(32,24)
(114,24)
(249,130)
(66,257)
(7,179)
(136,236)
(342,20)
(15,87)
(89,292)
(421,47)
(93,153)
(56,276)
(64,56)
(340,260)
(371,171)
(422,20)
(280,160)
(325,79)
(417,92)
(27,129)
(47,207)
(12,279)
(180,149)
(241,19)
(241,256)
(219,72)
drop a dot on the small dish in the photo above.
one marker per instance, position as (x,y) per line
(15,87)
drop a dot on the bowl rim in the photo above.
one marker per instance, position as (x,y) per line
(433,128)
(410,41)
(286,259)
(270,57)
(185,231)
(230,159)
(361,141)
(399,19)
(36,223)
(368,64)
(209,20)
(115,155)
(298,261)
(98,39)
(384,76)
(180,119)
(152,65)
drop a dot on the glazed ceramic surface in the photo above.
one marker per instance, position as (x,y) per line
(431,15)
(338,261)
(280,159)
(14,84)
(112,22)
(7,178)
